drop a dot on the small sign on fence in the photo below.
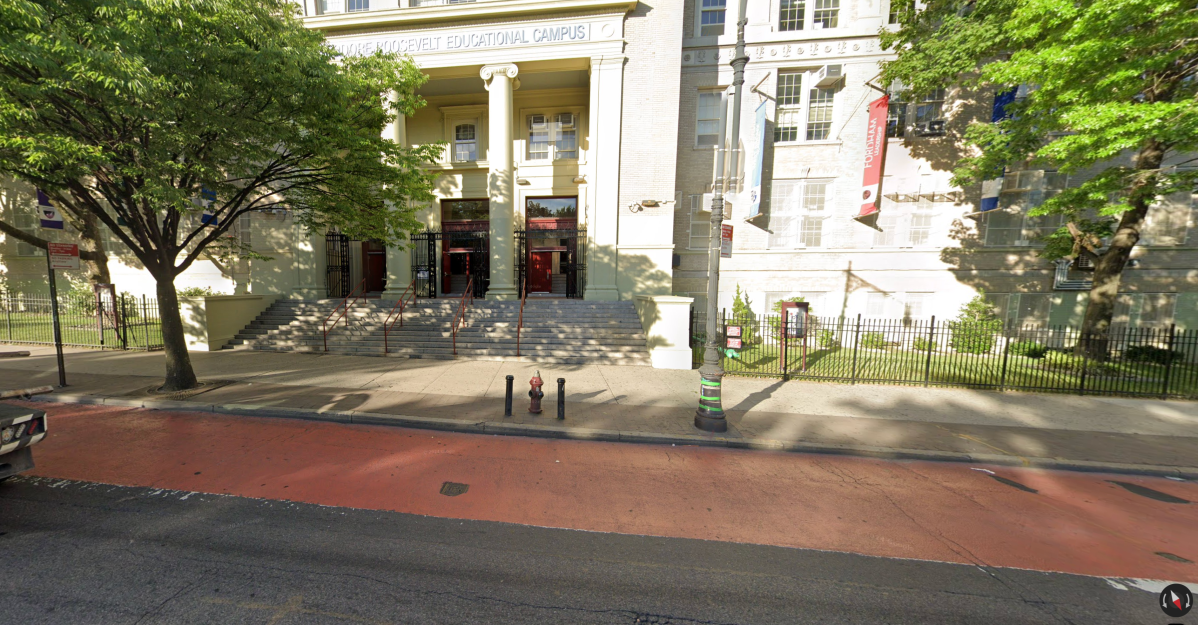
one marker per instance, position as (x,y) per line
(63,255)
(732,337)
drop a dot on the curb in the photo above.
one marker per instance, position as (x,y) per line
(615,436)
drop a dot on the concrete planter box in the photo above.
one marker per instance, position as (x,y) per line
(211,322)
(667,323)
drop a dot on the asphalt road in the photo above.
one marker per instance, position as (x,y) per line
(76,552)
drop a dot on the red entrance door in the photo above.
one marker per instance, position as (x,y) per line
(539,280)
(374,266)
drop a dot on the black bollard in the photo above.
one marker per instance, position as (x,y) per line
(561,399)
(507,399)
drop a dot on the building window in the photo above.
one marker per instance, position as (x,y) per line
(707,126)
(819,114)
(357,5)
(465,142)
(465,210)
(826,14)
(1168,220)
(790,124)
(875,304)
(1021,192)
(700,224)
(921,229)
(559,131)
(565,136)
(797,213)
(711,18)
(897,9)
(27,220)
(1157,309)
(896,116)
(929,114)
(887,224)
(790,15)
(914,305)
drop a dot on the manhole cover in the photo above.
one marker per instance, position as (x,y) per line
(1144,491)
(453,489)
(1014,484)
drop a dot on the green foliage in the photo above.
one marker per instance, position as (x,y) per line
(827,339)
(197,291)
(924,345)
(1030,349)
(976,327)
(1076,364)
(1152,354)
(742,314)
(873,340)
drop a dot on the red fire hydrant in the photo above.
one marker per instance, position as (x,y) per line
(535,393)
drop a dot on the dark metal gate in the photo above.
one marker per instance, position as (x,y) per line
(431,248)
(572,262)
(337,270)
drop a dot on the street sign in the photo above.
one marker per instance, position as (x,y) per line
(726,241)
(63,255)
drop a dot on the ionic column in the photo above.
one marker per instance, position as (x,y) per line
(603,187)
(499,81)
(399,258)
(309,262)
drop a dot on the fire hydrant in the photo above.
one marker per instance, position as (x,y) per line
(535,393)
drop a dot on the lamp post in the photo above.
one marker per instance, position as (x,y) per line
(710,416)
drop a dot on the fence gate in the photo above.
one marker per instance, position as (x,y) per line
(425,262)
(569,243)
(337,265)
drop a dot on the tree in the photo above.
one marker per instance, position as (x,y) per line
(1104,79)
(976,327)
(133,110)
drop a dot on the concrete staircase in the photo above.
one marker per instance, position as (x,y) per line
(555,331)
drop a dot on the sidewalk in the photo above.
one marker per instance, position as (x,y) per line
(639,404)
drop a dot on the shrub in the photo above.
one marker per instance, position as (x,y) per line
(924,345)
(1076,364)
(197,291)
(976,328)
(742,315)
(1149,353)
(873,340)
(827,339)
(1030,349)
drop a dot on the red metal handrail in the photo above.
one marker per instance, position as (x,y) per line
(401,304)
(467,299)
(523,298)
(345,302)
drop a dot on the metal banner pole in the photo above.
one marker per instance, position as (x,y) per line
(62,372)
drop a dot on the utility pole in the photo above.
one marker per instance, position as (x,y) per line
(710,416)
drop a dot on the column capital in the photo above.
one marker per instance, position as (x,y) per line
(608,61)
(499,69)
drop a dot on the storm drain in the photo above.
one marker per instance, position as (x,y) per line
(1014,484)
(1144,491)
(1174,557)
(453,489)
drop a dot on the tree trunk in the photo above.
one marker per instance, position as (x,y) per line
(179,374)
(90,241)
(1108,269)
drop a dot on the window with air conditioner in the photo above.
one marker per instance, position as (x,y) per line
(929,114)
(797,213)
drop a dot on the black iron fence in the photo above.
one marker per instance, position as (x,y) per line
(99,321)
(1158,362)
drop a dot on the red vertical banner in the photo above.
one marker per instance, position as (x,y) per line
(875,155)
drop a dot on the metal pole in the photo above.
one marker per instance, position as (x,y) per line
(1168,361)
(507,399)
(1006,355)
(62,371)
(927,365)
(710,415)
(8,314)
(856,342)
(561,399)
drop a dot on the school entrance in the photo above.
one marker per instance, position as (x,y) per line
(353,266)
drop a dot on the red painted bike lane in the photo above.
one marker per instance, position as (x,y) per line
(1076,522)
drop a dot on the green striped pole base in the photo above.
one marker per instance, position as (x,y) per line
(710,416)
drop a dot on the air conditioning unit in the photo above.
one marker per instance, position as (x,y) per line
(930,129)
(829,75)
